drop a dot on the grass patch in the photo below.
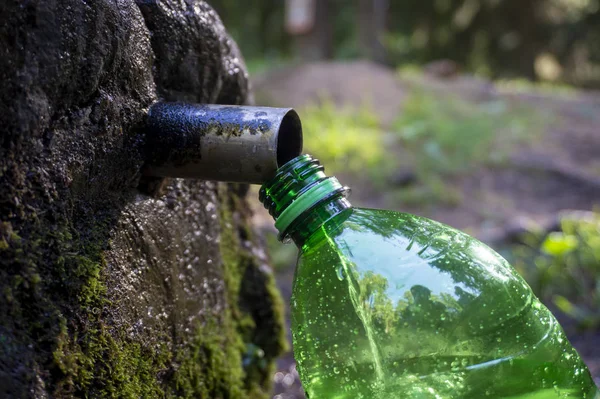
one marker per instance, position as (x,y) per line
(446,137)
(527,86)
(345,140)
(410,71)
(261,65)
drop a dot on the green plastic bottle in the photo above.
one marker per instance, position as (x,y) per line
(392,305)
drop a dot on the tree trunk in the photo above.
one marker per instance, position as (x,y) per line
(317,44)
(106,291)
(372,26)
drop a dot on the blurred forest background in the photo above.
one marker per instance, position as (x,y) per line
(552,40)
(482,114)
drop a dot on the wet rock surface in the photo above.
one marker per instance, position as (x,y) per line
(106,290)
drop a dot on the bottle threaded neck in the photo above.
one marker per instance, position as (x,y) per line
(298,187)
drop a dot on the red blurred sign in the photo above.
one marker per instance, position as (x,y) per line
(300,16)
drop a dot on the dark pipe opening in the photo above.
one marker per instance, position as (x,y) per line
(289,138)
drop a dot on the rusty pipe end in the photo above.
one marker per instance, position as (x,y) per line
(220,142)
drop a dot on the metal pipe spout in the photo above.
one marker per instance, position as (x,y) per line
(220,142)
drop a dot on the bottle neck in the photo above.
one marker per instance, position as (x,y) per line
(311,221)
(301,198)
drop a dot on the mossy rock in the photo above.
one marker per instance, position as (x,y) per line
(106,289)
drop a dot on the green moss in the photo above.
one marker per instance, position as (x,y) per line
(35,278)
(57,288)
(95,360)
(8,295)
(211,365)
(226,357)
(254,301)
(98,365)
(14,237)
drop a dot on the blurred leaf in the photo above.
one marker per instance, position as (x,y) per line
(559,244)
(586,319)
(564,304)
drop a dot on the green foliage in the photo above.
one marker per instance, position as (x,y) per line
(259,65)
(257,26)
(493,38)
(346,140)
(447,137)
(410,70)
(498,38)
(375,302)
(564,268)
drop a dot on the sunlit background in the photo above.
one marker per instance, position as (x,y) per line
(480,114)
